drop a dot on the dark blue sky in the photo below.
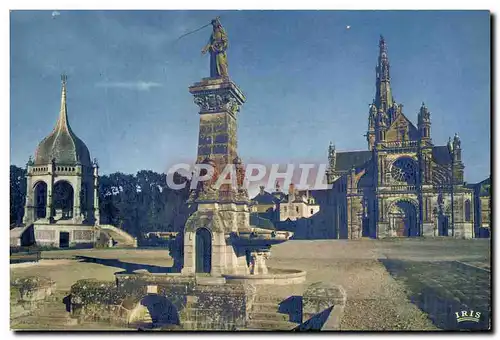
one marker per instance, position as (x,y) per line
(308,80)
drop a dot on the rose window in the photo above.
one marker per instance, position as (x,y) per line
(404,170)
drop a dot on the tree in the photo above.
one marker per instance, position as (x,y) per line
(17,193)
(136,204)
(142,203)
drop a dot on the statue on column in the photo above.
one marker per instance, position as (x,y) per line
(332,156)
(217,46)
(456,141)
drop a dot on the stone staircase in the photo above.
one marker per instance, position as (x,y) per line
(51,314)
(264,315)
(119,240)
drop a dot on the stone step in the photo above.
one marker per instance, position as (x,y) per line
(53,315)
(268,316)
(271,325)
(268,299)
(50,314)
(78,327)
(45,321)
(210,280)
(200,326)
(261,307)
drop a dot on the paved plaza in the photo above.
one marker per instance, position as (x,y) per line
(398,284)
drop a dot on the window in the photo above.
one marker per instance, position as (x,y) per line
(312,211)
(284,209)
(404,170)
(467,211)
(297,209)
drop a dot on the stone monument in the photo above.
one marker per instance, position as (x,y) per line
(218,237)
(62,201)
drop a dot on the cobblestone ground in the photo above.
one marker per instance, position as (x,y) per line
(399,284)
(443,288)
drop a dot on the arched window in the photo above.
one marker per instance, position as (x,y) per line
(467,209)
(63,199)
(40,199)
(297,209)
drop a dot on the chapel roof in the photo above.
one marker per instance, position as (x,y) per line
(62,145)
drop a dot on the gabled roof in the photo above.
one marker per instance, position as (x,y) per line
(319,195)
(441,155)
(485,187)
(346,160)
(264,198)
(280,196)
(402,119)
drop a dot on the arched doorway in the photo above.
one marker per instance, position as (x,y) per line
(403,219)
(40,200)
(203,251)
(467,211)
(154,311)
(443,225)
(63,200)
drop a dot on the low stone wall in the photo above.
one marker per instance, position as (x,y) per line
(189,305)
(322,306)
(34,288)
(217,307)
(81,236)
(277,277)
(93,300)
(27,293)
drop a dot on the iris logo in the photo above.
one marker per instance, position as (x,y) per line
(468,316)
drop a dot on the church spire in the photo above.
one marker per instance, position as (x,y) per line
(62,122)
(383,98)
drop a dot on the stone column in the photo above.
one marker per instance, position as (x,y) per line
(96,195)
(48,214)
(258,262)
(50,186)
(76,199)
(218,256)
(189,260)
(29,210)
(427,218)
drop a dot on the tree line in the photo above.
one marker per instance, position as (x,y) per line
(135,203)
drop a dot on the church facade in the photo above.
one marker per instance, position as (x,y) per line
(404,184)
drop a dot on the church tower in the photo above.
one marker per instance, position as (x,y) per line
(383,98)
(61,200)
(424,124)
(383,107)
